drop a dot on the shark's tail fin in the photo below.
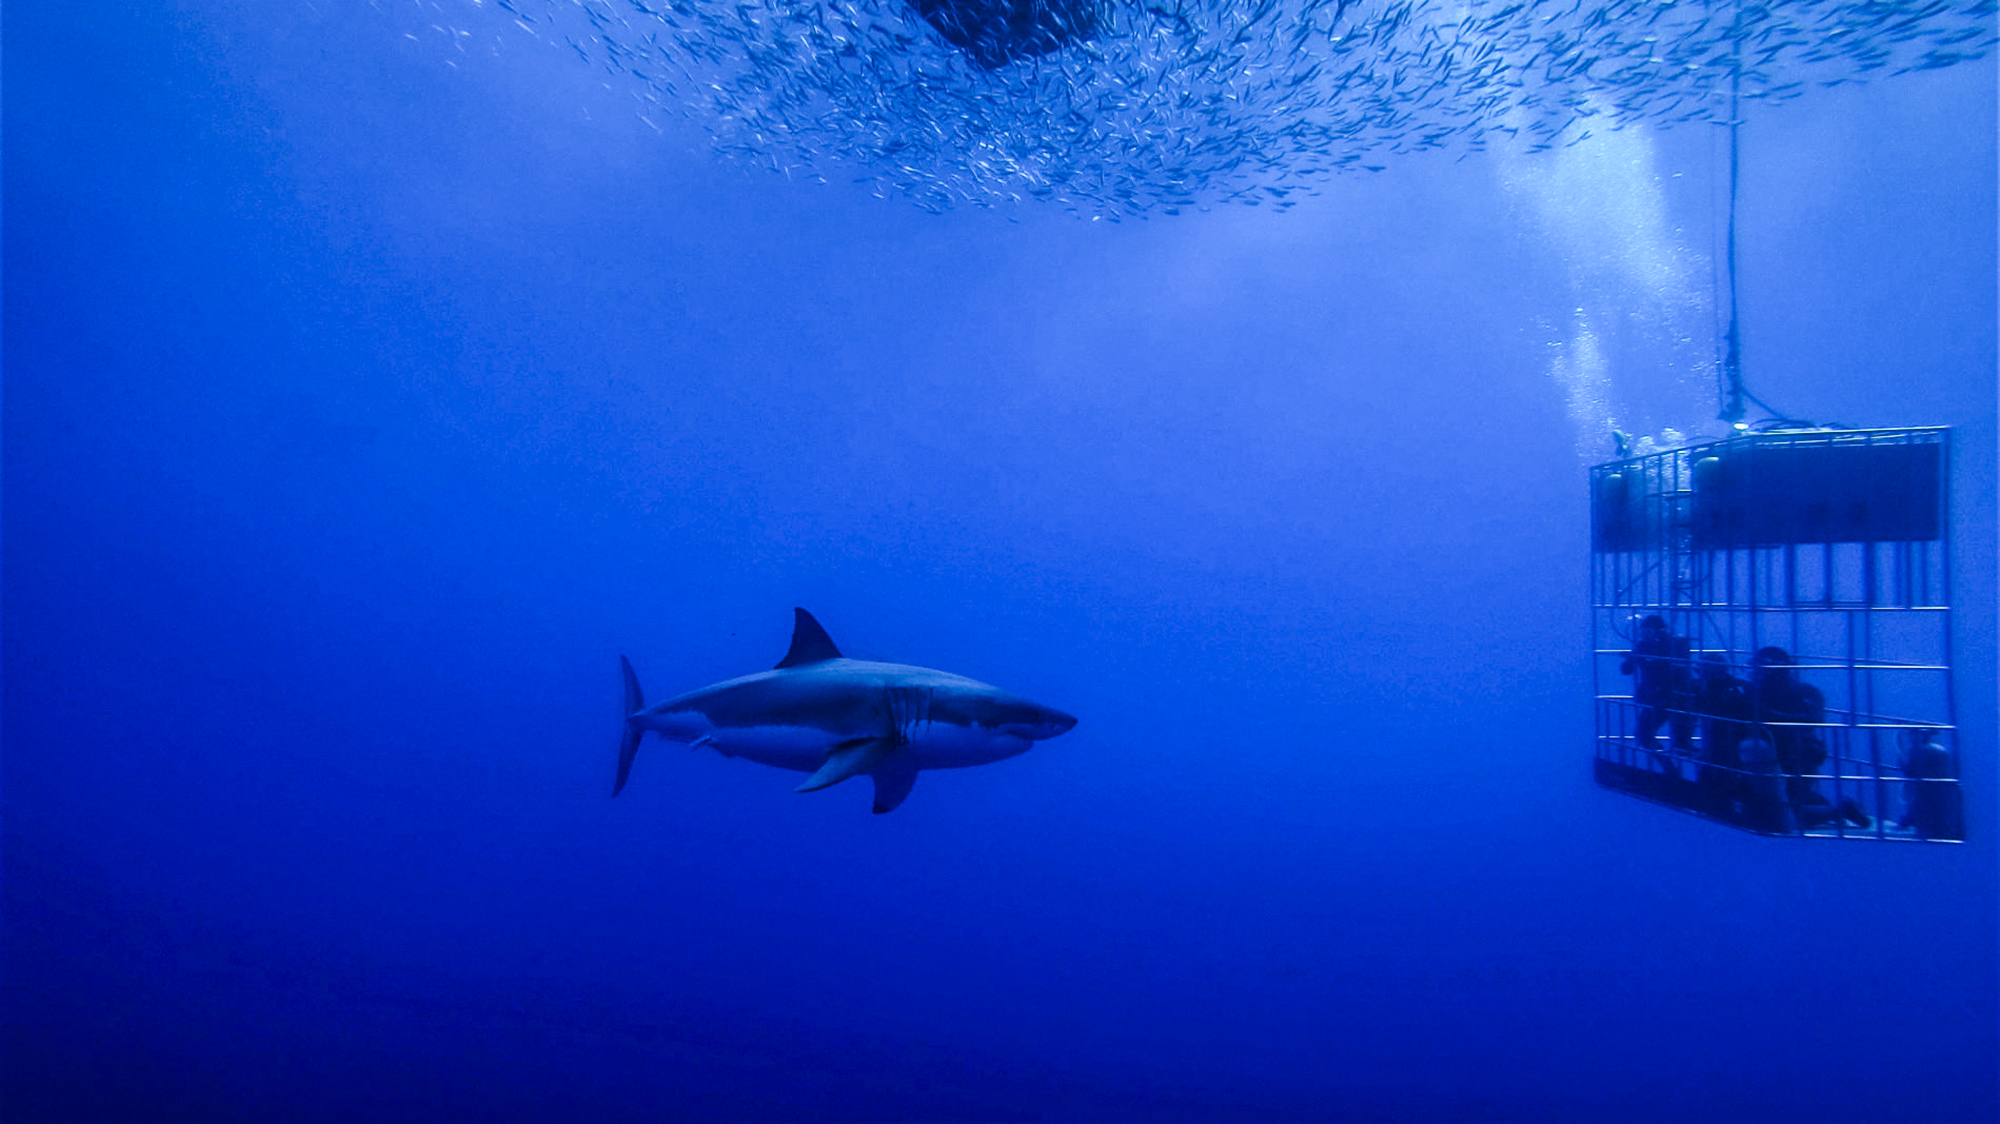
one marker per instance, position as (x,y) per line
(628,740)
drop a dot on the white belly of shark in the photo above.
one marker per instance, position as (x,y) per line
(821,713)
(805,748)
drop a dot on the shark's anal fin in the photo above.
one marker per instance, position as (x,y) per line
(892,783)
(628,740)
(810,643)
(850,758)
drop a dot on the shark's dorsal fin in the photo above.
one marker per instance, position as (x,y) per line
(810,643)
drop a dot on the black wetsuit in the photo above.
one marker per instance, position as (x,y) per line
(1780,698)
(1658,663)
(1724,704)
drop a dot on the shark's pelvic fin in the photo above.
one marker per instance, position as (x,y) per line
(628,741)
(850,758)
(810,643)
(892,783)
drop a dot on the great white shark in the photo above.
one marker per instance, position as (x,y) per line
(821,713)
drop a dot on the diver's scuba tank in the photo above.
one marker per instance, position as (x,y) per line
(1769,810)
(1932,810)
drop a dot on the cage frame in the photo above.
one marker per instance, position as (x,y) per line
(1853,582)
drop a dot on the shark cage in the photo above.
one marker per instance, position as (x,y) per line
(1771,622)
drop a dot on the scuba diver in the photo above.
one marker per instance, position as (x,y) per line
(1788,710)
(1658,663)
(1723,702)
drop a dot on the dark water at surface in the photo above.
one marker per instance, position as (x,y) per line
(360,409)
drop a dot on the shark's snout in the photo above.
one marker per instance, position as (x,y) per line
(1041,725)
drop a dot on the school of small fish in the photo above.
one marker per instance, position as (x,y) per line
(1183,103)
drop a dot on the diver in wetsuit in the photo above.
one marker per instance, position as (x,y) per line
(1658,664)
(1723,701)
(1790,710)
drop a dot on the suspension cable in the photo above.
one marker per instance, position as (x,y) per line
(1731,368)
(1732,390)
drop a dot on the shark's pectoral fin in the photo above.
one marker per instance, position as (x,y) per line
(850,758)
(892,783)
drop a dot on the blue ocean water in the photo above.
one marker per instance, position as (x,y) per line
(374,380)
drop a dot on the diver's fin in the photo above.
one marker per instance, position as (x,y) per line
(810,643)
(628,741)
(850,758)
(892,783)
